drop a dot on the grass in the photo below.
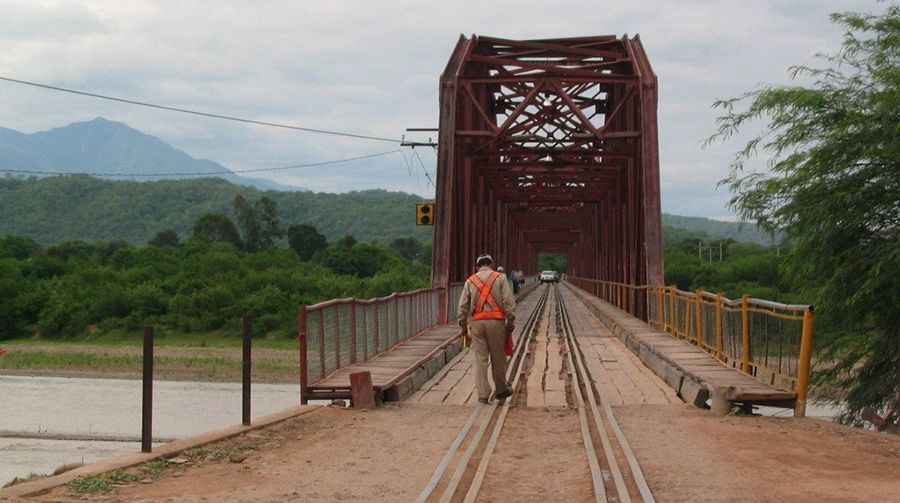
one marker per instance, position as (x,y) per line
(162,337)
(224,451)
(90,485)
(154,469)
(201,367)
(101,483)
(218,452)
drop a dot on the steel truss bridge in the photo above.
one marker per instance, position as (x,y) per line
(549,146)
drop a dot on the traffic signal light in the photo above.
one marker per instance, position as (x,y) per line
(425,214)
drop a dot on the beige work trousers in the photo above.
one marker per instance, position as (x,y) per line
(488,342)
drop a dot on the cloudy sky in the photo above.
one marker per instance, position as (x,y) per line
(372,68)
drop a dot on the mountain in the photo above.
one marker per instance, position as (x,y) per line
(62,208)
(106,147)
(739,231)
(79,207)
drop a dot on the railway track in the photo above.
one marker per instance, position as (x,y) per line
(615,473)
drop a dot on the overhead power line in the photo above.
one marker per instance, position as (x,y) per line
(196,173)
(199,113)
(427,175)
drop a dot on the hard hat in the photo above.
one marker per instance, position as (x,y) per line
(500,269)
(484,260)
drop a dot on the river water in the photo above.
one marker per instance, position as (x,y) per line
(61,407)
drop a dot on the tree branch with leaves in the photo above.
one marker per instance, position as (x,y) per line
(832,185)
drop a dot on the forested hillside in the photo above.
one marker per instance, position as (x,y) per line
(56,209)
(743,232)
(52,210)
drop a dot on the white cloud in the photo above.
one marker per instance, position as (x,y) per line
(372,67)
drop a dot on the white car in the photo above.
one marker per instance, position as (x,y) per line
(549,277)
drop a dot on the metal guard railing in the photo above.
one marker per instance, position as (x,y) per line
(341,332)
(768,340)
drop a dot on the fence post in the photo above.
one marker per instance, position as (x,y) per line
(806,346)
(353,331)
(720,329)
(699,323)
(661,307)
(322,342)
(147,396)
(673,323)
(302,332)
(365,323)
(745,333)
(245,374)
(396,337)
(376,340)
(337,336)
(444,306)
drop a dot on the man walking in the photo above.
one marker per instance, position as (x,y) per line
(486,306)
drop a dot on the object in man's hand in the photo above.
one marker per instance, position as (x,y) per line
(464,337)
(508,346)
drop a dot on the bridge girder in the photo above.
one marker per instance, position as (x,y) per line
(546,138)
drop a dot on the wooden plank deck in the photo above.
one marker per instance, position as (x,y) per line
(390,366)
(669,357)
(406,365)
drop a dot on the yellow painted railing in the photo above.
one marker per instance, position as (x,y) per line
(768,340)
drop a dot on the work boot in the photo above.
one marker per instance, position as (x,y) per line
(503,394)
(484,400)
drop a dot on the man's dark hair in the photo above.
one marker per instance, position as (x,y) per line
(484,260)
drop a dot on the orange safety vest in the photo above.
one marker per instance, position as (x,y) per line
(487,307)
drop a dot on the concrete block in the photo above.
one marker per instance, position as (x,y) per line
(719,402)
(673,377)
(694,393)
(420,377)
(434,365)
(362,393)
(401,390)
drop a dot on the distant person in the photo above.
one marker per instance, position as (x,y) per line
(487,310)
(514,279)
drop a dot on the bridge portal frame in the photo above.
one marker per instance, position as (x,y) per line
(549,145)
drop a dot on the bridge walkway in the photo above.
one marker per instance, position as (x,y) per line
(405,367)
(621,376)
(693,373)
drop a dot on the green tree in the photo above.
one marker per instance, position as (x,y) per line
(269,224)
(305,240)
(248,222)
(408,248)
(833,186)
(18,247)
(167,237)
(11,286)
(427,252)
(346,242)
(216,227)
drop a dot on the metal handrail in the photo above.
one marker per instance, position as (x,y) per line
(747,334)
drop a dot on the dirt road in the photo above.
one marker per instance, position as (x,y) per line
(388,455)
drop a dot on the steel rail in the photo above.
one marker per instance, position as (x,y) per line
(515,369)
(480,472)
(605,441)
(593,393)
(596,473)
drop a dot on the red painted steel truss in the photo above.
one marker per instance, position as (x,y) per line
(549,146)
